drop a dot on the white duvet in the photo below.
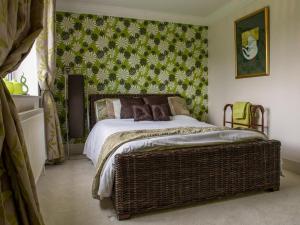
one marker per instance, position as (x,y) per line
(105,128)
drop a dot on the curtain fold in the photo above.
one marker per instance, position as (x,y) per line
(45,46)
(20,24)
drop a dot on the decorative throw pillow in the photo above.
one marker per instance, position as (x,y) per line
(107,108)
(110,108)
(157,100)
(101,109)
(142,112)
(116,108)
(126,106)
(178,106)
(160,112)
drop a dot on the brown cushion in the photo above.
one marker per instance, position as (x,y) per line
(160,112)
(142,112)
(158,100)
(178,106)
(126,106)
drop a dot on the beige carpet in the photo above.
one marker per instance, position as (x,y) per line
(65,198)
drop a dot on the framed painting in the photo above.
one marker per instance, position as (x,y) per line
(252,44)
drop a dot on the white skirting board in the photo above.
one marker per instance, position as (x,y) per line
(291,165)
(33,126)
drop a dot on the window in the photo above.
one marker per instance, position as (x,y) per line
(28,68)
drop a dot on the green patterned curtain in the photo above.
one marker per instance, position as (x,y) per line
(20,24)
(46,69)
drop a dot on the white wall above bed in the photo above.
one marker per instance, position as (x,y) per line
(279,92)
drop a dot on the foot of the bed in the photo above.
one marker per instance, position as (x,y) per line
(123,216)
(272,189)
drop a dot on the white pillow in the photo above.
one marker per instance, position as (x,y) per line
(117,108)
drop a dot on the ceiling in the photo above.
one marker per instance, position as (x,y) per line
(198,12)
(199,8)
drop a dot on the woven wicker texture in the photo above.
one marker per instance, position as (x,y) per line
(146,181)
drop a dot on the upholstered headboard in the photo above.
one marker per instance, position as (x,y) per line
(95,97)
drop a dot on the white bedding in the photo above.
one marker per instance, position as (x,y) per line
(105,128)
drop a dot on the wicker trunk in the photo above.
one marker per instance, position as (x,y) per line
(146,181)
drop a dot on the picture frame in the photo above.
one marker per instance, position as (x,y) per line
(252,44)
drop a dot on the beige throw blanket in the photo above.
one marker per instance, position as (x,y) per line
(114,141)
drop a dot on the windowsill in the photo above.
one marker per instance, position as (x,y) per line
(30,113)
(26,96)
(26,102)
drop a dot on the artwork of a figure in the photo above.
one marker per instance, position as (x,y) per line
(249,42)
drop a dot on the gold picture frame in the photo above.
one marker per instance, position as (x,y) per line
(252,44)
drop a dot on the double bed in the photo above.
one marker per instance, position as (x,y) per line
(164,164)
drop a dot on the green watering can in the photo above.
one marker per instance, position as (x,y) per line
(17,88)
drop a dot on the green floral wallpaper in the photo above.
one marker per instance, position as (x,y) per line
(133,56)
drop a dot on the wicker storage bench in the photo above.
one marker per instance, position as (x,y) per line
(147,181)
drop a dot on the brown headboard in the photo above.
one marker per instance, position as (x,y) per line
(95,97)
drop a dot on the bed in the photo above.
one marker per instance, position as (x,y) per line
(141,181)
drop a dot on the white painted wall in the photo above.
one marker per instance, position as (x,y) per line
(279,92)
